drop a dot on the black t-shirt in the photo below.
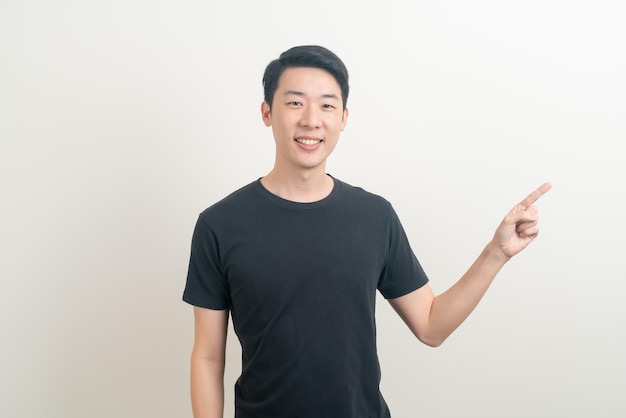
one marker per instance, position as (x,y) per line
(300,280)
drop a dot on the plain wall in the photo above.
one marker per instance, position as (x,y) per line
(121,120)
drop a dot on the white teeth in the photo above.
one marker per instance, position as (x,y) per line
(308,141)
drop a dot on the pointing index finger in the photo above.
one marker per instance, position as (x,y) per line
(534,196)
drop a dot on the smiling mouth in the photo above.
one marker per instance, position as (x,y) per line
(308,141)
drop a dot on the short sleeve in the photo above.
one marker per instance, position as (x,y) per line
(402,272)
(206,285)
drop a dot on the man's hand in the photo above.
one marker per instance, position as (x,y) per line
(521,226)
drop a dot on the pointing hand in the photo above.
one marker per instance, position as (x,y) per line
(521,225)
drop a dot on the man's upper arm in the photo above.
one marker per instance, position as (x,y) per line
(414,309)
(211,328)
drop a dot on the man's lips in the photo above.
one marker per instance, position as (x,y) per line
(308,140)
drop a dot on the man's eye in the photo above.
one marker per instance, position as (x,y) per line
(328,106)
(295,103)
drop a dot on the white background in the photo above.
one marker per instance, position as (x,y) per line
(121,120)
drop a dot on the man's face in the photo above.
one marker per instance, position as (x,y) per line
(307,117)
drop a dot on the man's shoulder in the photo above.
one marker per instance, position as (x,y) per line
(230,204)
(360,195)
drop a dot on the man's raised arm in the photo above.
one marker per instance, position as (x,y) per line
(432,319)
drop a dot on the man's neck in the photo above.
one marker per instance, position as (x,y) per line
(306,187)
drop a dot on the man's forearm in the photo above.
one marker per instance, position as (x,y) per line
(207,387)
(453,306)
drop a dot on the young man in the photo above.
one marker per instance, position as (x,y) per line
(297,257)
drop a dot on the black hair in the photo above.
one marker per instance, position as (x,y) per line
(312,56)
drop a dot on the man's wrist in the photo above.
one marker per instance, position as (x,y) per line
(493,252)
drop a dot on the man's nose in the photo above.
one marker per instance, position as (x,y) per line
(311,117)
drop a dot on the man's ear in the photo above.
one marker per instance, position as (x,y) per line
(266,113)
(344,118)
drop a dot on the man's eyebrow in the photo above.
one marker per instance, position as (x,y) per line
(330,96)
(299,93)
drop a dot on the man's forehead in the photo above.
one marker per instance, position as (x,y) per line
(304,80)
